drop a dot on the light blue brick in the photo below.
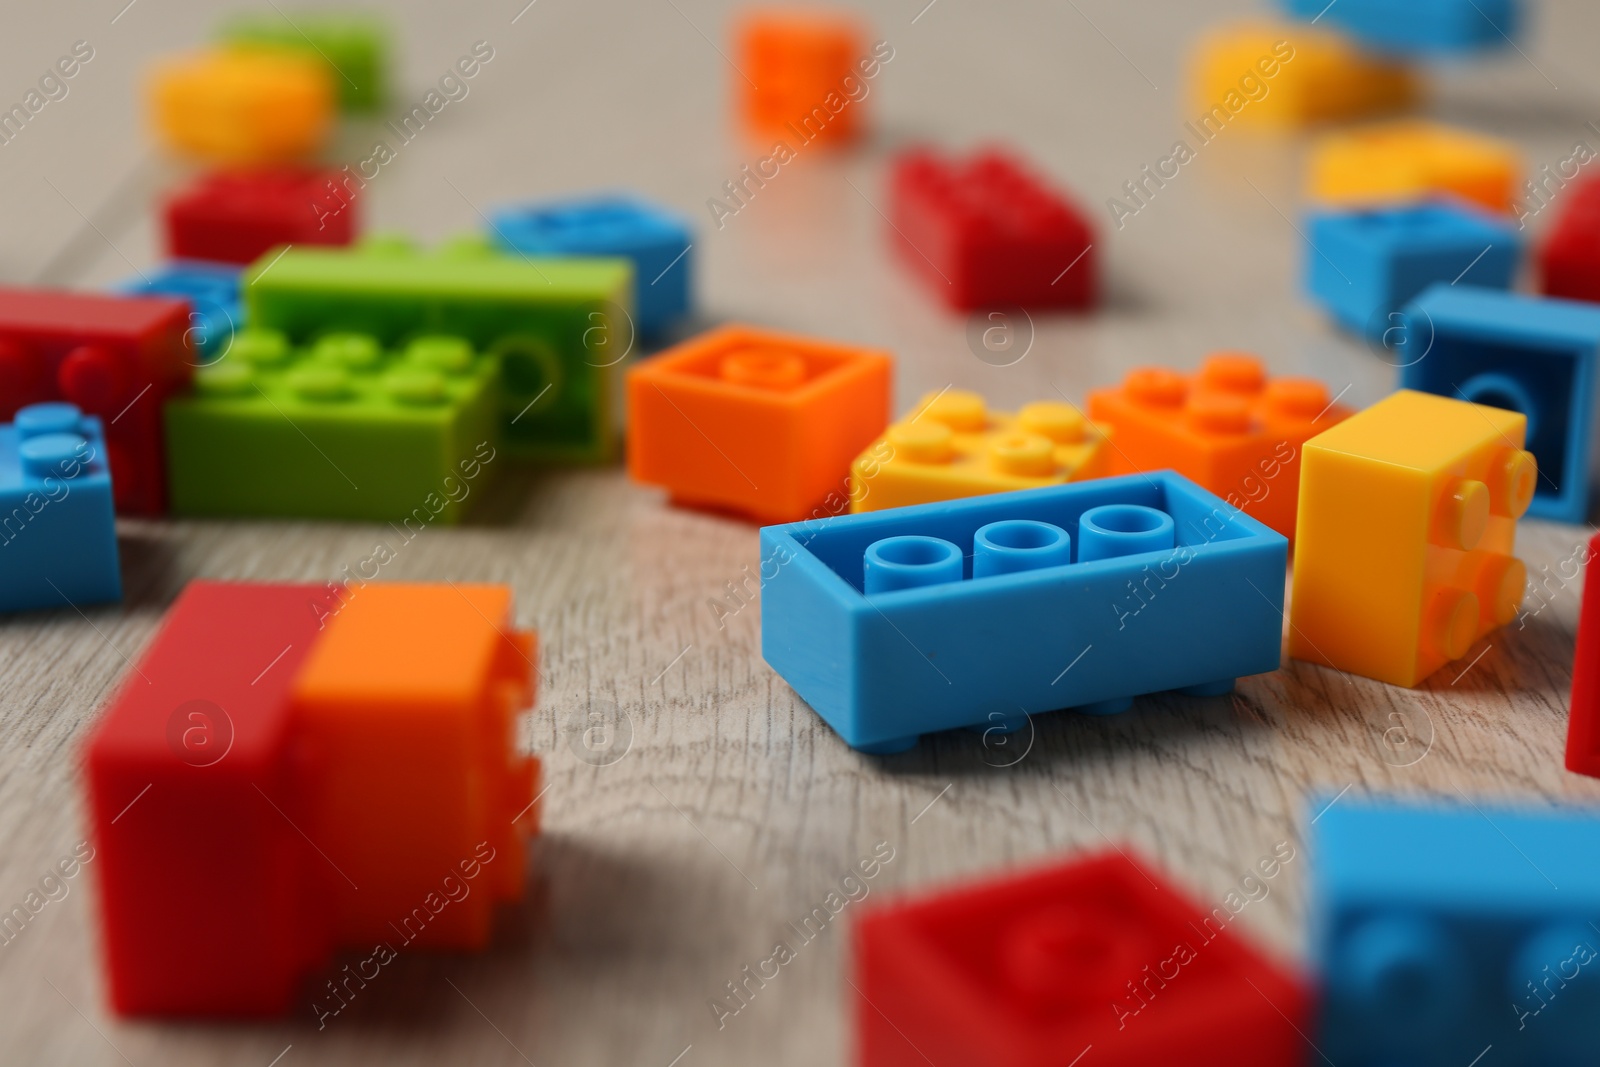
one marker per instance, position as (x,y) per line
(212,290)
(1418,27)
(884,668)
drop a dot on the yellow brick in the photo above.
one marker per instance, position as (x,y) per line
(1404,539)
(1408,160)
(1289,76)
(242,106)
(952,445)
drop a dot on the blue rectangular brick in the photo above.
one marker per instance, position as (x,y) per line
(1442,931)
(655,239)
(1418,27)
(58,535)
(1364,266)
(1530,354)
(212,290)
(982,611)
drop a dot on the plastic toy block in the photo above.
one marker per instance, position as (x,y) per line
(338,430)
(760,423)
(1403,161)
(1229,428)
(799,75)
(1440,931)
(212,290)
(951,445)
(1583,727)
(1285,77)
(353,47)
(115,357)
(1032,969)
(1569,261)
(985,232)
(1364,266)
(239,216)
(210,898)
(429,678)
(239,106)
(1533,356)
(1419,27)
(655,239)
(981,611)
(557,328)
(1408,516)
(281,745)
(58,532)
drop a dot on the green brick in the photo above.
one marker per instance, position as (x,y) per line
(341,429)
(556,328)
(354,46)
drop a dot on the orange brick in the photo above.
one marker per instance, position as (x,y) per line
(761,423)
(1228,428)
(418,676)
(796,63)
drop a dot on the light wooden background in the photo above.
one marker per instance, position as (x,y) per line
(735,809)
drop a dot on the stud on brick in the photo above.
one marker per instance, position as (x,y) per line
(952,445)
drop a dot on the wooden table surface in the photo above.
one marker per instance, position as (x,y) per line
(668,864)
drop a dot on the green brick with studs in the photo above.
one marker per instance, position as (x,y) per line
(559,329)
(339,429)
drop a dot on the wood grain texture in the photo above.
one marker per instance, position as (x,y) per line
(734,810)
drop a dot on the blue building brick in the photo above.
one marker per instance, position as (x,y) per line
(656,239)
(1442,931)
(1418,27)
(1364,266)
(1529,354)
(212,290)
(981,611)
(58,536)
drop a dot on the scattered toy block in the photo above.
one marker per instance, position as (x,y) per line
(239,216)
(951,445)
(1076,596)
(986,232)
(340,429)
(655,239)
(1524,354)
(556,328)
(1020,971)
(280,746)
(1285,77)
(209,897)
(1440,931)
(58,530)
(1230,428)
(795,73)
(1583,727)
(242,106)
(761,423)
(1569,261)
(1364,266)
(212,290)
(429,678)
(115,357)
(1419,27)
(352,46)
(1402,161)
(1407,523)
